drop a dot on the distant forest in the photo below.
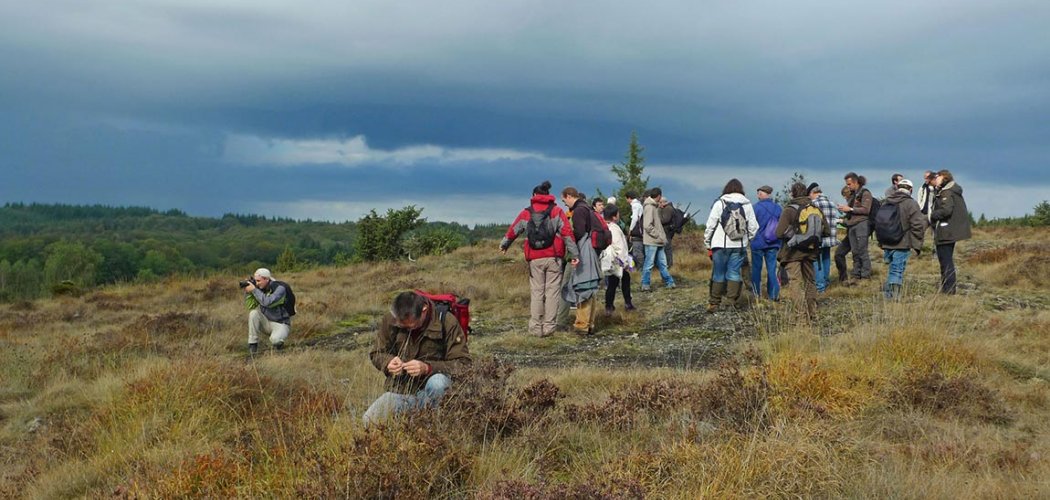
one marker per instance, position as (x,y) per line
(46,249)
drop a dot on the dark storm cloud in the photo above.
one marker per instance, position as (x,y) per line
(117,103)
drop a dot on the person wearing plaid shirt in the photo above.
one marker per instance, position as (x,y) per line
(831,215)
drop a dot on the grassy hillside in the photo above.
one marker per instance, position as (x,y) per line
(145,390)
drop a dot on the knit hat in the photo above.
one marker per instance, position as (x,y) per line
(766,189)
(814,188)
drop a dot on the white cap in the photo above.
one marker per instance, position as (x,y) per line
(905,183)
(262,272)
(611,200)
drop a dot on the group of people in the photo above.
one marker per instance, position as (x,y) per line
(571,252)
(569,259)
(789,236)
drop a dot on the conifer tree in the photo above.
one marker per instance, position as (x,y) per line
(629,172)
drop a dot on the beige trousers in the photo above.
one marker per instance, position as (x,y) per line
(585,314)
(257,323)
(545,283)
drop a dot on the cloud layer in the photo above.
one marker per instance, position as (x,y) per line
(189,104)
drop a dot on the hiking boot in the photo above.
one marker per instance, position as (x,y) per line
(253,349)
(671,285)
(279,346)
(629,307)
(609,310)
(647,288)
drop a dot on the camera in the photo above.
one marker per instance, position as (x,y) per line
(244,283)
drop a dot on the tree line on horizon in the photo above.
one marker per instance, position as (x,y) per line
(50,249)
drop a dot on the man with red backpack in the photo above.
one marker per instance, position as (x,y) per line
(548,238)
(419,348)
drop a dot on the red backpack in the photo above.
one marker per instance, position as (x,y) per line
(458,306)
(601,236)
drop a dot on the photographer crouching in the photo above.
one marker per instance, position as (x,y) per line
(271,305)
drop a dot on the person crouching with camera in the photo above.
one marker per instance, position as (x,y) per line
(266,300)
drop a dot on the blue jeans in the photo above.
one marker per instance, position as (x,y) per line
(655,254)
(898,260)
(392,403)
(823,269)
(726,264)
(769,257)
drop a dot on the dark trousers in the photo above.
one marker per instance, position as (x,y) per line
(856,241)
(638,253)
(610,289)
(669,251)
(946,256)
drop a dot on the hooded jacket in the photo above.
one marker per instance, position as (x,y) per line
(951,220)
(715,235)
(563,244)
(652,230)
(912,221)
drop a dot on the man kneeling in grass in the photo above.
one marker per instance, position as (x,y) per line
(418,350)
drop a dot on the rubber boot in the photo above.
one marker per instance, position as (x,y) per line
(733,293)
(718,290)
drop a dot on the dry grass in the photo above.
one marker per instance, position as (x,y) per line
(136,391)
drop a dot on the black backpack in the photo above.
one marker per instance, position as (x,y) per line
(888,229)
(289,297)
(539,231)
(678,220)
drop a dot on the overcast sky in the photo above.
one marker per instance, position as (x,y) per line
(327,109)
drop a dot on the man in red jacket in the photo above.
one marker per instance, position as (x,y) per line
(548,237)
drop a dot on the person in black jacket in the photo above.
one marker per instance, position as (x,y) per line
(951,224)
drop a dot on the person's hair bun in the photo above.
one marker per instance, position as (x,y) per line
(543,188)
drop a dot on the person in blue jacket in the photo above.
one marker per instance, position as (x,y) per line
(764,249)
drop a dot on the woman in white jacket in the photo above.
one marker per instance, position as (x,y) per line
(730,228)
(616,262)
